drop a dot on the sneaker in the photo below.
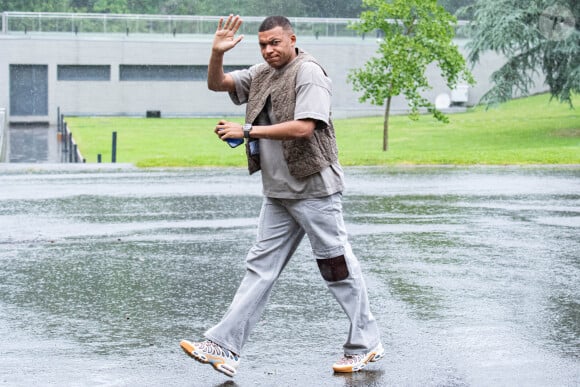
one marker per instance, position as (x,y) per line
(209,352)
(354,363)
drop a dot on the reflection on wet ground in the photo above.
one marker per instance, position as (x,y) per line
(33,143)
(473,274)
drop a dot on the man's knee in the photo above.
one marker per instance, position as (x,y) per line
(333,269)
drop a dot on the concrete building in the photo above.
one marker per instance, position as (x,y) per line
(86,64)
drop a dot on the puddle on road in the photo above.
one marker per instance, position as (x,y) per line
(473,274)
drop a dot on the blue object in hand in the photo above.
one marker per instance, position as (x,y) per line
(234,142)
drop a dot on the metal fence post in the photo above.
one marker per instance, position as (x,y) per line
(70,147)
(114,150)
(65,136)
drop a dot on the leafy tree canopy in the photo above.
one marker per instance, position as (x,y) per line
(415,34)
(536,36)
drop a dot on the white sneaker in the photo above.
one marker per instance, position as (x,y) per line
(208,352)
(354,363)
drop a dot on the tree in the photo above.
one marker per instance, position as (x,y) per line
(333,8)
(110,6)
(34,5)
(298,8)
(535,36)
(415,34)
(453,6)
(179,7)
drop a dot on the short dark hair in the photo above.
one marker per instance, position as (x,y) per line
(275,21)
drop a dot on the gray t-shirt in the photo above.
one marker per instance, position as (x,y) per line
(313,91)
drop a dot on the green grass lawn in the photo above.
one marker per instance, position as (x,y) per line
(525,131)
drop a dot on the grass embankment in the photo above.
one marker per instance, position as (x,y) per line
(524,131)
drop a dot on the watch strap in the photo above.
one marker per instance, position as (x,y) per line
(247,129)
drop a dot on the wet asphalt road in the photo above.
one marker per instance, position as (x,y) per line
(473,274)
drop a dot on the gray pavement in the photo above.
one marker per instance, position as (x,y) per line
(33,143)
(473,274)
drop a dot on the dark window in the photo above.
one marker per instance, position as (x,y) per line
(167,72)
(162,73)
(83,73)
(28,90)
(228,69)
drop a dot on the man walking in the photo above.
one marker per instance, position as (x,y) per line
(290,138)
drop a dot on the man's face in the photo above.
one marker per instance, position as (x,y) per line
(277,46)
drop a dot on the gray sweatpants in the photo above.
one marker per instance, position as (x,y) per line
(281,228)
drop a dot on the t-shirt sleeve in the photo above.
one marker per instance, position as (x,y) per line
(242,80)
(313,93)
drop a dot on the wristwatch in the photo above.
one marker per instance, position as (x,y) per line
(247,129)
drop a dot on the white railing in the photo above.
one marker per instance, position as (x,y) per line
(128,24)
(96,23)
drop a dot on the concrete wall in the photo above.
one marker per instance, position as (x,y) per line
(184,98)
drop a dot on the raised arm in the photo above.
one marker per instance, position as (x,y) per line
(224,40)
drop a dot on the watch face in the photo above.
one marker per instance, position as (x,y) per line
(247,128)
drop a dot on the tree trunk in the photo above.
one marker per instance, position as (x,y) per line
(386,125)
